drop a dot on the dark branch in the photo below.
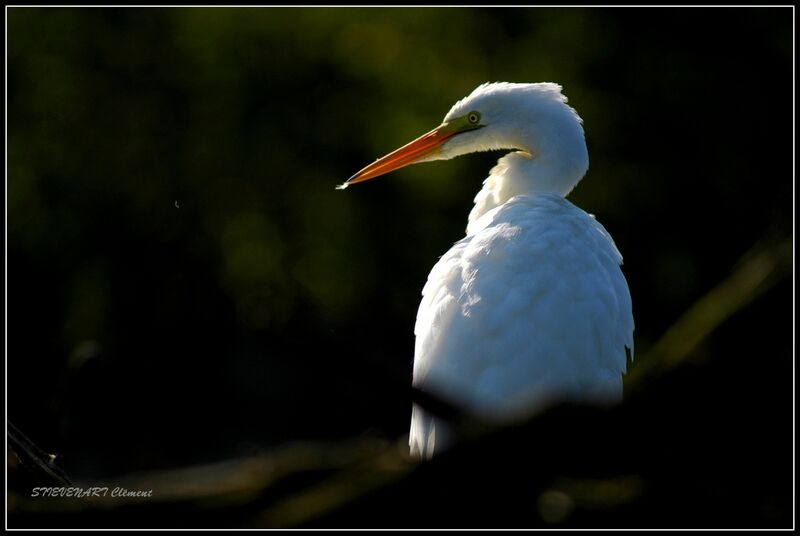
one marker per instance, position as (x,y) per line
(29,454)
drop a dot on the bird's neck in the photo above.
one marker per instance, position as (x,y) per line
(524,172)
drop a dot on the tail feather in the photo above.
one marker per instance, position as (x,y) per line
(429,435)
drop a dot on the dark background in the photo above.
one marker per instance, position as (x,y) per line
(185,285)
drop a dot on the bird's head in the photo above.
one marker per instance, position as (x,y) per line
(533,118)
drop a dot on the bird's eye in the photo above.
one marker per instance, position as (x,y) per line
(473,118)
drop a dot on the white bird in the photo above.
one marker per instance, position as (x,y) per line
(531,307)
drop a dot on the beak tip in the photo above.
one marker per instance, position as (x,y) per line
(348,182)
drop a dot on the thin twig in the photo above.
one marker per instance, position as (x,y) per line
(28,453)
(761,268)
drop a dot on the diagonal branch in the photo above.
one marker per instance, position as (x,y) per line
(29,454)
(761,268)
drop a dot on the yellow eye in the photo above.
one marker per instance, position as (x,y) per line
(473,118)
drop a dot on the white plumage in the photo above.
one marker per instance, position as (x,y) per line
(531,307)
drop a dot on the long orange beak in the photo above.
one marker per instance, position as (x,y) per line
(412,152)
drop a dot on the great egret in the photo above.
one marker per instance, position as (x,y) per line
(531,307)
